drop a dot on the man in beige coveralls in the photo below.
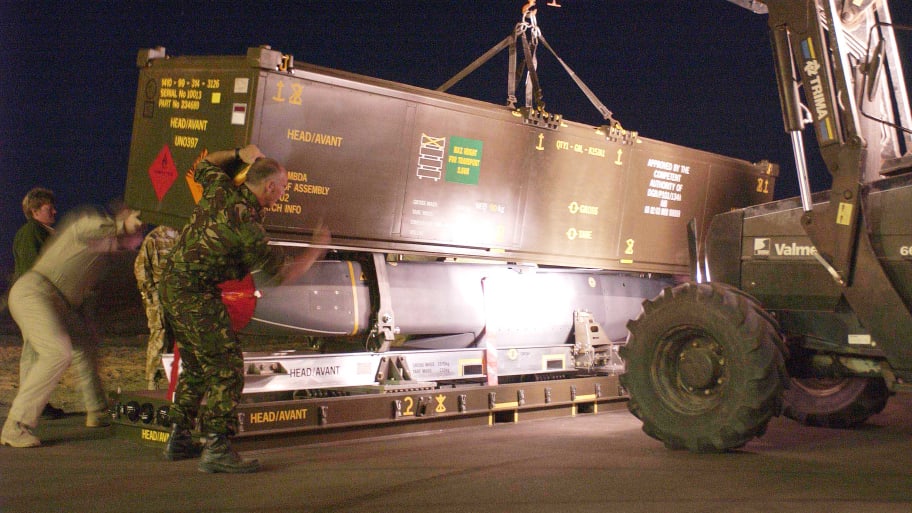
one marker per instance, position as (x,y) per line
(45,302)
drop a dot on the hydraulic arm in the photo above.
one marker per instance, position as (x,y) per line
(844,56)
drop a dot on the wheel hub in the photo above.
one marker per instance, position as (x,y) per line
(699,367)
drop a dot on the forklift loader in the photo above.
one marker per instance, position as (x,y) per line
(802,306)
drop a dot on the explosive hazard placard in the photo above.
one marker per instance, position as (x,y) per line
(162,172)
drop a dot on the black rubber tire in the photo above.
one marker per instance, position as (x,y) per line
(704,368)
(835,403)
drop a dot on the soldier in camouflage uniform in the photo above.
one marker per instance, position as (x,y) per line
(223,240)
(148,268)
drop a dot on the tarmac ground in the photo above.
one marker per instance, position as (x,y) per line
(595,462)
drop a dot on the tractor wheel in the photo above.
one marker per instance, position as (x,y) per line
(835,403)
(704,368)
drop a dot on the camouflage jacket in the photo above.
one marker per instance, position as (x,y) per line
(150,260)
(224,238)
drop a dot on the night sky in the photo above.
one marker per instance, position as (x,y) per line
(697,74)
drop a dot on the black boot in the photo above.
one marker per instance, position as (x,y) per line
(51,413)
(218,456)
(181,445)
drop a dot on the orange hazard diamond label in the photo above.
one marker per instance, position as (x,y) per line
(162,172)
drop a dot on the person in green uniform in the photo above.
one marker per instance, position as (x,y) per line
(224,239)
(40,214)
(39,207)
(148,268)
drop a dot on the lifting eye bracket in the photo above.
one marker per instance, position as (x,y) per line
(540,118)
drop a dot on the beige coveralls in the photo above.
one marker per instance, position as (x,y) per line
(45,302)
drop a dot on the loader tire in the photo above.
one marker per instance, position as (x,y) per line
(835,403)
(704,368)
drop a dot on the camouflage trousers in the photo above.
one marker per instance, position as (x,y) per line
(157,338)
(212,363)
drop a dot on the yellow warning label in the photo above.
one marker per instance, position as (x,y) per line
(154,436)
(441,407)
(844,214)
(278,415)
